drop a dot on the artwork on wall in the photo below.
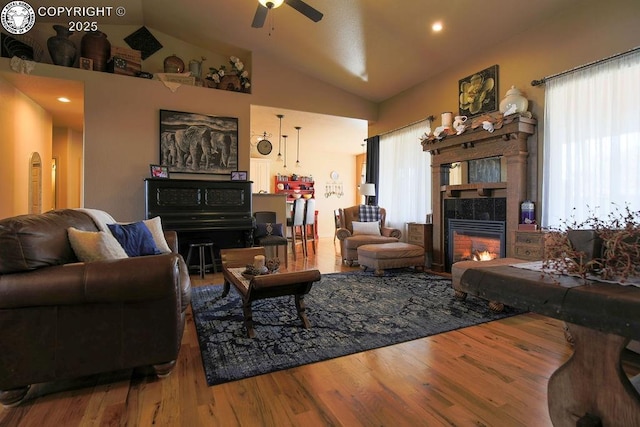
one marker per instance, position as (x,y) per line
(197,143)
(479,92)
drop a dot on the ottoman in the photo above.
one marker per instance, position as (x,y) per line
(390,255)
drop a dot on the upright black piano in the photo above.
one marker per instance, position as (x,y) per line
(199,210)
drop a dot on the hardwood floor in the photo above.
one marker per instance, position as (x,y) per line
(493,374)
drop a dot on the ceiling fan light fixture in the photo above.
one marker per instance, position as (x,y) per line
(271,4)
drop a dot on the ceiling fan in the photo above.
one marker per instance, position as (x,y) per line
(299,5)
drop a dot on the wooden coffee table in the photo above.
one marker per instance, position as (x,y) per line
(296,283)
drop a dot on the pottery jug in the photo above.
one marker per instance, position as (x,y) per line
(62,50)
(458,121)
(95,46)
(173,64)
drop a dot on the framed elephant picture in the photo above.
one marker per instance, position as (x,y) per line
(197,143)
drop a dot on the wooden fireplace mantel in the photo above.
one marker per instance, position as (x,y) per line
(508,142)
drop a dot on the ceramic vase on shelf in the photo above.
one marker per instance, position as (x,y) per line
(195,67)
(95,46)
(62,50)
(173,64)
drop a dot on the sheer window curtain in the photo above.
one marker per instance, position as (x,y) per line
(592,142)
(404,177)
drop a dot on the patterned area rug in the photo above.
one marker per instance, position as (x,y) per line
(349,313)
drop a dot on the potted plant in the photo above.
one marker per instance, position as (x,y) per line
(606,248)
(236,78)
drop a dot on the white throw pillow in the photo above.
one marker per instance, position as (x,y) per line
(94,245)
(371,228)
(155,227)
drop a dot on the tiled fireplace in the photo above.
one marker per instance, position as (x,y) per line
(474,229)
(493,184)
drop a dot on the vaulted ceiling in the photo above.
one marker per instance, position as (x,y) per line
(372,48)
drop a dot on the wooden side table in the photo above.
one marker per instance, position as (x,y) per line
(422,235)
(529,245)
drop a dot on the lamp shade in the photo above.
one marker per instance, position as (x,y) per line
(368,189)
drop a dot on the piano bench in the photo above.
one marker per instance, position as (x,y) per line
(202,266)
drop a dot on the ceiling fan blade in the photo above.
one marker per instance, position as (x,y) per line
(305,9)
(260,16)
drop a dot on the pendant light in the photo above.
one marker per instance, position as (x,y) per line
(279,159)
(285,150)
(298,153)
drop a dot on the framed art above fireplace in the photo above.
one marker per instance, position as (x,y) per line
(198,143)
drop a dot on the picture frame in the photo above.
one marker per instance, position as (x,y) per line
(198,143)
(239,176)
(478,93)
(159,171)
(86,63)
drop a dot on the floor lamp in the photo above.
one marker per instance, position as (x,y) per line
(367,190)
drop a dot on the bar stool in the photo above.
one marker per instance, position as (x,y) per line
(202,266)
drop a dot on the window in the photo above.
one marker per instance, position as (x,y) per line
(404,176)
(592,141)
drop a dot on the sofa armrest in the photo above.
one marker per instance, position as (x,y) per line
(118,281)
(172,240)
(342,233)
(391,232)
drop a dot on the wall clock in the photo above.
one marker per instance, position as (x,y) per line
(264,147)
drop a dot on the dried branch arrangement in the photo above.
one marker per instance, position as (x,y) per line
(608,248)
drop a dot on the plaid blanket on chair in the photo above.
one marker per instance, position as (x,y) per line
(369,213)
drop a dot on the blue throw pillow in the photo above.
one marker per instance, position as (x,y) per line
(268,229)
(135,238)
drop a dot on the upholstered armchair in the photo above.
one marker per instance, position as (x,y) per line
(369,223)
(74,303)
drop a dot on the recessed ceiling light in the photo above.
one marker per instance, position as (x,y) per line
(437,26)
(63,99)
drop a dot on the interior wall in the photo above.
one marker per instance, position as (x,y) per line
(67,149)
(581,35)
(25,127)
(121,134)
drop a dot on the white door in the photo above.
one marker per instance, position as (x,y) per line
(260,174)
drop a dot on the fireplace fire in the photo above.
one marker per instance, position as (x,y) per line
(475,240)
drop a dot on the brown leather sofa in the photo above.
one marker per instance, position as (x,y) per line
(61,318)
(349,242)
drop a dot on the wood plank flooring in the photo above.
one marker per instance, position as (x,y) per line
(488,375)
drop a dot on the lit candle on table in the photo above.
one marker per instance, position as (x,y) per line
(258,261)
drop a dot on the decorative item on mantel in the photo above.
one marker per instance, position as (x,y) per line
(514,102)
(236,79)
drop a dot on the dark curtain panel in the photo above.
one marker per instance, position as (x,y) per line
(373,165)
